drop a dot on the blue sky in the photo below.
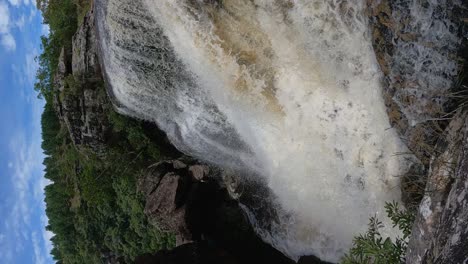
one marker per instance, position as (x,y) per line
(23,238)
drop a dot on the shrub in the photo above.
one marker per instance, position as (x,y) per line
(372,248)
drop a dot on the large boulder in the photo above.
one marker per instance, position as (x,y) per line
(176,200)
(184,197)
(441,227)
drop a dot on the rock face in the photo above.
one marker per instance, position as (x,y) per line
(441,227)
(183,197)
(419,65)
(85,63)
(416,45)
(175,199)
(80,99)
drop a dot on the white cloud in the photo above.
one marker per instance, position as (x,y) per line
(25,74)
(8,42)
(10,164)
(30,66)
(46,235)
(20,22)
(4,18)
(28,185)
(6,38)
(14,2)
(38,253)
(32,14)
(45,29)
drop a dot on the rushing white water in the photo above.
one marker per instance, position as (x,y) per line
(300,84)
(287,90)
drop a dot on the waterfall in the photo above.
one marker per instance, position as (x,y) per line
(289,91)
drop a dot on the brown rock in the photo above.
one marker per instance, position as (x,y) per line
(199,172)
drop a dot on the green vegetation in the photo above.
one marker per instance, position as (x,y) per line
(372,248)
(61,16)
(93,206)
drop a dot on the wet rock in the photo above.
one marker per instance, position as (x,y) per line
(416,84)
(176,201)
(184,197)
(198,172)
(441,227)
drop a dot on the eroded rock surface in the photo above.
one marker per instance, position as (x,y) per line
(416,45)
(85,63)
(441,227)
(80,99)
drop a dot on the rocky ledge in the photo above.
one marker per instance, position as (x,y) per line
(79,99)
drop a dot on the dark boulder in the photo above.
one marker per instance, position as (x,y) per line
(183,197)
(192,253)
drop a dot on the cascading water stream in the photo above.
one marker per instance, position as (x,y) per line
(286,90)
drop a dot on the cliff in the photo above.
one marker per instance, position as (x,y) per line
(79,98)
(441,226)
(176,192)
(432,124)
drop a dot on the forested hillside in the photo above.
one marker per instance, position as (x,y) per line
(93,206)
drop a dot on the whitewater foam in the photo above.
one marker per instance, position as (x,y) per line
(300,85)
(286,90)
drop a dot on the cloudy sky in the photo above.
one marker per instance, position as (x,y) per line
(23,238)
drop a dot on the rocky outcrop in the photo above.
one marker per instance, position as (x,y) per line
(441,227)
(85,63)
(176,198)
(419,64)
(416,63)
(80,99)
(183,197)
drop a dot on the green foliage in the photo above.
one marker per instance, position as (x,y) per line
(93,205)
(82,7)
(132,132)
(72,86)
(61,17)
(372,248)
(401,218)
